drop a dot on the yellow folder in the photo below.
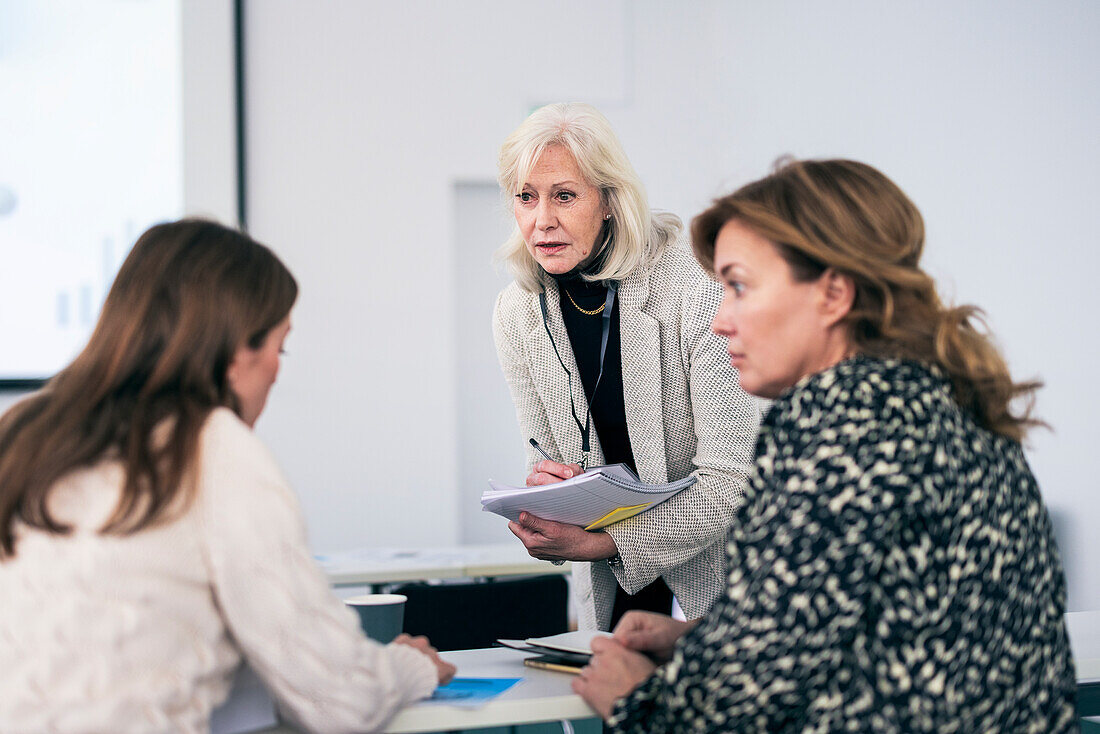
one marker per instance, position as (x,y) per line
(619,513)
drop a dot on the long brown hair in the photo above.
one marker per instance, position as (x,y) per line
(849,217)
(187,297)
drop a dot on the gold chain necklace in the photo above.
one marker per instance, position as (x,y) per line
(586,313)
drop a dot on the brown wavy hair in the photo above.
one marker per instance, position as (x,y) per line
(189,295)
(849,217)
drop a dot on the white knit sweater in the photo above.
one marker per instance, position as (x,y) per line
(142,633)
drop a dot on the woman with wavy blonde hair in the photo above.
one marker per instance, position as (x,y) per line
(604,341)
(894,568)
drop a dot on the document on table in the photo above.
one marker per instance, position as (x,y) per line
(595,499)
(471,692)
(567,652)
(577,643)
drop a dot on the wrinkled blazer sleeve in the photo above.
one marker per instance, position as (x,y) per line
(692,526)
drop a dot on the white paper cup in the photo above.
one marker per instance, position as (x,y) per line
(380,615)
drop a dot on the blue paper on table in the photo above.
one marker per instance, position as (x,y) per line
(472,692)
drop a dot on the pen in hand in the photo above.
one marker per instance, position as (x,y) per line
(541,450)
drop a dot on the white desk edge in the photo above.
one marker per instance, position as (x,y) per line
(388,565)
(555,700)
(541,696)
(1084,639)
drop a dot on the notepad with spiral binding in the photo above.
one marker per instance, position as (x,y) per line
(599,497)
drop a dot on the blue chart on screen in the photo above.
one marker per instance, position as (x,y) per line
(93,155)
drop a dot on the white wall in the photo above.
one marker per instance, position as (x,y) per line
(363,117)
(7,399)
(366,119)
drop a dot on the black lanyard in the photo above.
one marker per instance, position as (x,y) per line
(608,305)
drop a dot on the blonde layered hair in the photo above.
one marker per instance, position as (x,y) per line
(849,217)
(634,236)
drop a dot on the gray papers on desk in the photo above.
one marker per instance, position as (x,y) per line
(601,496)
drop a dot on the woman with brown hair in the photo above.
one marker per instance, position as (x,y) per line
(148,541)
(893,568)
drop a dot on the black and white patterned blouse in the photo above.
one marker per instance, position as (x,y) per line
(893,570)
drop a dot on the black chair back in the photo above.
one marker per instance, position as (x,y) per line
(475,614)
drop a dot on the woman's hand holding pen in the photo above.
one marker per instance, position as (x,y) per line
(556,541)
(549,472)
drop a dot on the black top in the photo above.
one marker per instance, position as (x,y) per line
(585,331)
(893,569)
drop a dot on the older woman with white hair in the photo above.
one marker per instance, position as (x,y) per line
(606,328)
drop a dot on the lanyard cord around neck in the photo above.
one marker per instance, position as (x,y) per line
(585,428)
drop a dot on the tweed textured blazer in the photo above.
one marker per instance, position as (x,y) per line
(685,414)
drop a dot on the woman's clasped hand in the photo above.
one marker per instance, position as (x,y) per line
(642,640)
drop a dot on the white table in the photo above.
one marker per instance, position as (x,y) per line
(542,695)
(397,565)
(547,696)
(1084,639)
